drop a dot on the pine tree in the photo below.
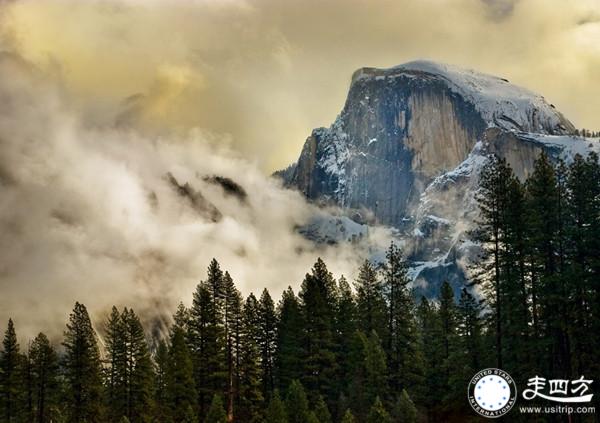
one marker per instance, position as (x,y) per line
(402,348)
(370,301)
(180,390)
(232,317)
(430,329)
(591,241)
(321,411)
(216,412)
(161,363)
(206,337)
(467,352)
(348,417)
(543,197)
(288,356)
(11,376)
(266,342)
(378,413)
(515,281)
(469,329)
(189,415)
(583,186)
(561,281)
(492,199)
(276,410)
(447,317)
(181,318)
(251,399)
(345,328)
(82,368)
(296,403)
(28,407)
(139,374)
(404,410)
(116,366)
(129,381)
(312,417)
(369,372)
(317,298)
(375,366)
(44,372)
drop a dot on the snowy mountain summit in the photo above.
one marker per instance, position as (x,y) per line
(499,102)
(406,151)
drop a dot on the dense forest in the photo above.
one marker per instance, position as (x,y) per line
(340,351)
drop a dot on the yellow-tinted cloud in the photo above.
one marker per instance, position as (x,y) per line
(89,214)
(268,71)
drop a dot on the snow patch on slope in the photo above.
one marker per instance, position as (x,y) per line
(329,229)
(500,103)
(336,154)
(461,175)
(566,146)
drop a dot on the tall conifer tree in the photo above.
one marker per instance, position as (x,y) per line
(296,403)
(82,368)
(251,399)
(317,298)
(207,338)
(370,301)
(345,328)
(161,363)
(116,366)
(139,374)
(288,356)
(492,198)
(543,223)
(232,319)
(266,342)
(11,376)
(180,388)
(276,411)
(402,347)
(44,372)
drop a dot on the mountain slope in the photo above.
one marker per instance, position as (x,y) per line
(407,148)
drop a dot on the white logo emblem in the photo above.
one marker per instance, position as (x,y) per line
(559,389)
(492,393)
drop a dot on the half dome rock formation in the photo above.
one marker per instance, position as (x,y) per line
(401,127)
(408,145)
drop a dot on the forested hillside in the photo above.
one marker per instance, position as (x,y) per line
(335,350)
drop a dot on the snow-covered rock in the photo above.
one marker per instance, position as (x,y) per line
(408,147)
(500,103)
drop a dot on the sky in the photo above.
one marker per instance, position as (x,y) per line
(261,74)
(102,100)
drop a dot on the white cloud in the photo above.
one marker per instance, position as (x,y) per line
(88,215)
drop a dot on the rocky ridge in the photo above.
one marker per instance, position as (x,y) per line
(407,148)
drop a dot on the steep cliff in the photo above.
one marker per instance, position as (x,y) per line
(401,127)
(407,148)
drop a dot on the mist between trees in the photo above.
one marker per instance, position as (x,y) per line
(366,351)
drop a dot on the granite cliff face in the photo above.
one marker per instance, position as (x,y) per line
(407,148)
(402,127)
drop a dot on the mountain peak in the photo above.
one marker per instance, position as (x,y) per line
(407,149)
(402,127)
(499,102)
